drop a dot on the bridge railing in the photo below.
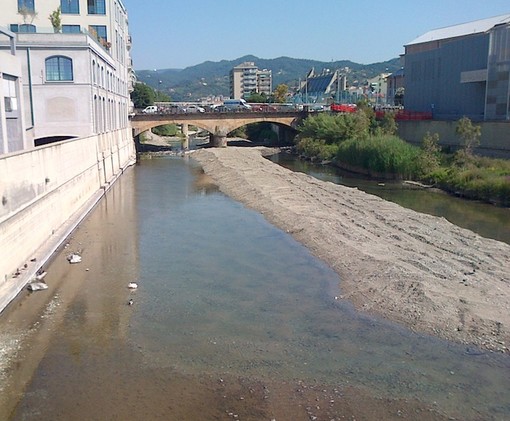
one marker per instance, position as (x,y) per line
(255,108)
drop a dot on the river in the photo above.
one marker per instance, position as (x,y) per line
(232,319)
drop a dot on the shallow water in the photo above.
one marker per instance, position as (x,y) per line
(231,317)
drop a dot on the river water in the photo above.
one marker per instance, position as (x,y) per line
(232,319)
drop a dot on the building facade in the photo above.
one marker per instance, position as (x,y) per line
(395,88)
(12,126)
(322,88)
(246,78)
(462,70)
(76,76)
(377,89)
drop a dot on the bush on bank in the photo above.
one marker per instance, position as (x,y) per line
(383,154)
(358,142)
(475,178)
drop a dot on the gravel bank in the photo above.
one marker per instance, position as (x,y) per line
(412,268)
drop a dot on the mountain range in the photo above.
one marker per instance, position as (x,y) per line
(212,78)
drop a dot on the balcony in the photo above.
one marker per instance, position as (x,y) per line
(46,36)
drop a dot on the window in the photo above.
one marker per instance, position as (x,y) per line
(71,29)
(26,6)
(10,97)
(70,6)
(98,31)
(24,28)
(27,28)
(59,68)
(96,7)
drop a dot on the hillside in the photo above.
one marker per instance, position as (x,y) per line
(212,78)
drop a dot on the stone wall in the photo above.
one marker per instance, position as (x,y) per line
(495,140)
(44,194)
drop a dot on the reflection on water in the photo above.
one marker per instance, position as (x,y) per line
(222,293)
(487,220)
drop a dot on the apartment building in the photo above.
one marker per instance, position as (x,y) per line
(246,78)
(264,82)
(77,73)
(461,70)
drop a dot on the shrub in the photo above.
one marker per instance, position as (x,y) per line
(316,149)
(166,130)
(430,158)
(383,154)
(335,128)
(469,134)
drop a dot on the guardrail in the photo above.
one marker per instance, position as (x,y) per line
(257,109)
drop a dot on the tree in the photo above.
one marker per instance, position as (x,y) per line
(56,19)
(469,134)
(280,93)
(255,97)
(388,125)
(160,96)
(431,152)
(142,95)
(28,14)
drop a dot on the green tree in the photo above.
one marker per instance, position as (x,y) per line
(280,93)
(431,153)
(388,125)
(56,19)
(166,130)
(336,128)
(142,95)
(160,96)
(469,134)
(257,98)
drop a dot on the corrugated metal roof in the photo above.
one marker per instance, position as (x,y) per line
(475,27)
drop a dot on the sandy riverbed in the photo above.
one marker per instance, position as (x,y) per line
(412,268)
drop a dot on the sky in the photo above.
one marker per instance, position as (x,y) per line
(174,34)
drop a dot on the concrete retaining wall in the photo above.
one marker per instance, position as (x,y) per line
(495,140)
(45,192)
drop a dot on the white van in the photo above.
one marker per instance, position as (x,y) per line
(151,109)
(236,104)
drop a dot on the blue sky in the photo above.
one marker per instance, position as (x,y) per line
(182,33)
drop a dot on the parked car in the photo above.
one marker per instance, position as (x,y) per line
(194,109)
(236,105)
(151,109)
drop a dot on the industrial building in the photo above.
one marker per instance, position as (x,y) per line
(461,70)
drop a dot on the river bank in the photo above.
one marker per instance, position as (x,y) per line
(415,269)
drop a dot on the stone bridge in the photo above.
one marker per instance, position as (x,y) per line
(219,125)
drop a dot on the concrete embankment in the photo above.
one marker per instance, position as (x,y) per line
(412,268)
(46,192)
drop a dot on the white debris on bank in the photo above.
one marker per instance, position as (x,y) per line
(37,286)
(74,258)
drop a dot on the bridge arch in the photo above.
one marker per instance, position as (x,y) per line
(217,124)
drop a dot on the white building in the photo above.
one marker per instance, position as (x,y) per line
(12,127)
(77,77)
